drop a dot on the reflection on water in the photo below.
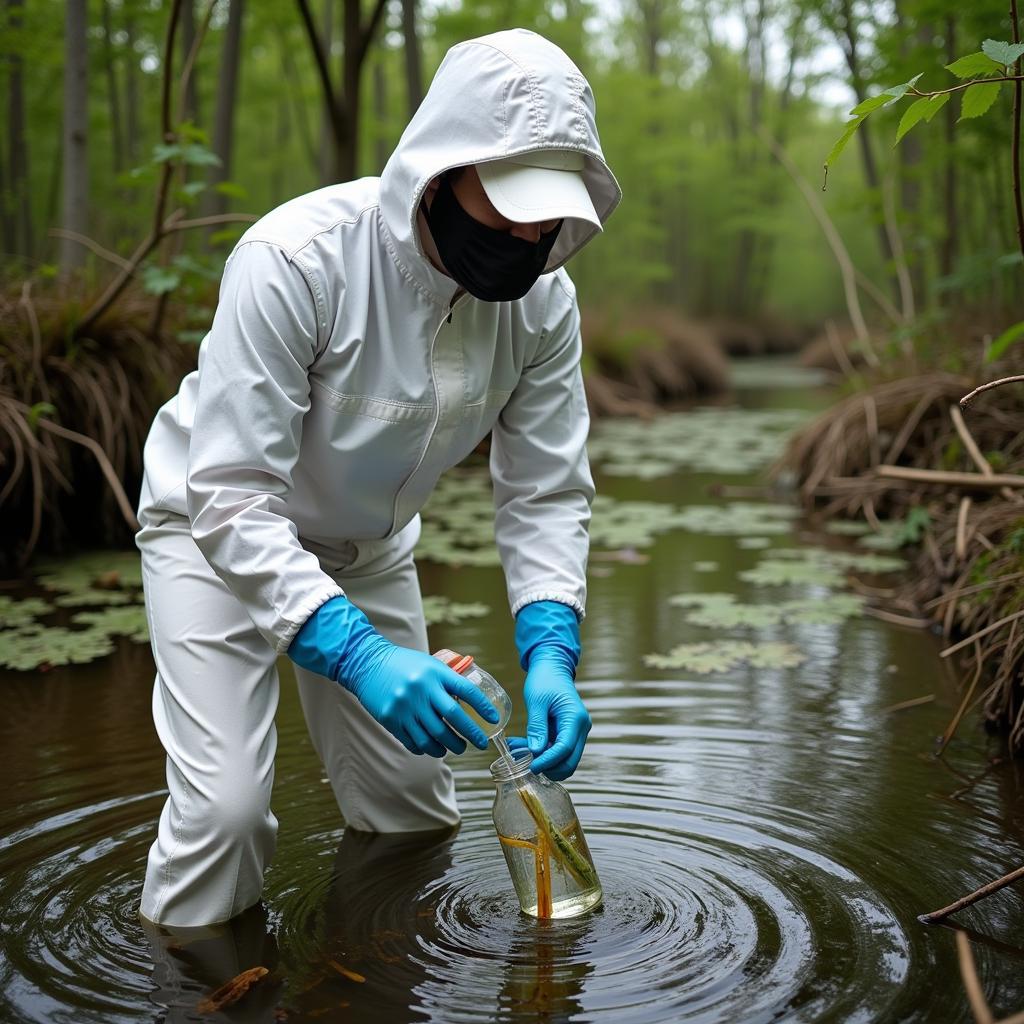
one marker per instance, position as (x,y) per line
(766,837)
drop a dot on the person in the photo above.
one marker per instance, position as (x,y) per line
(368,336)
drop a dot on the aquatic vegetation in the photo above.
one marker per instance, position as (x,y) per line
(701,440)
(743,519)
(14,613)
(724,655)
(816,566)
(723,611)
(115,569)
(33,646)
(705,566)
(437,608)
(129,622)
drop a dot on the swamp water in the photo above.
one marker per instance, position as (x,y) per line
(766,830)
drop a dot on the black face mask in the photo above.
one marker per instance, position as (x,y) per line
(490,264)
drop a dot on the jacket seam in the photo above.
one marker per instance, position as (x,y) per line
(370,398)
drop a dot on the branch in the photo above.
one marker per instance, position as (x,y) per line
(979,894)
(367,33)
(105,466)
(965,85)
(835,242)
(95,247)
(186,73)
(936,476)
(334,109)
(214,218)
(967,399)
(114,289)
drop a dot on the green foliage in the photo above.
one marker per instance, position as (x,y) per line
(998,347)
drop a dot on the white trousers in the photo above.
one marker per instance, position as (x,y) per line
(214,701)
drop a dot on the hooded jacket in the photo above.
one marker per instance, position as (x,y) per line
(341,375)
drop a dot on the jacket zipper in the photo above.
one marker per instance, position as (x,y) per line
(455,301)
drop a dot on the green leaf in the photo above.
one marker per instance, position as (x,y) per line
(938,102)
(840,144)
(158,280)
(974,65)
(1004,341)
(978,99)
(193,188)
(914,113)
(871,103)
(231,189)
(1003,53)
(897,92)
(38,410)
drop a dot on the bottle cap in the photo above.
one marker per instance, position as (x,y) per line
(460,663)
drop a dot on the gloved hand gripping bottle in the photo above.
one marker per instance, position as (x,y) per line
(544,845)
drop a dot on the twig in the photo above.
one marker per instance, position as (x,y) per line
(912,703)
(990,628)
(95,247)
(935,476)
(901,439)
(105,467)
(979,894)
(974,589)
(961,527)
(213,218)
(963,85)
(898,620)
(836,345)
(960,711)
(974,451)
(967,399)
(969,973)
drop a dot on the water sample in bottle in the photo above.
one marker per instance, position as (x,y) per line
(492,690)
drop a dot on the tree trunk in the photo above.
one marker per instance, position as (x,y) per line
(17,146)
(951,241)
(224,118)
(413,63)
(75,212)
(343,107)
(380,113)
(190,110)
(327,140)
(131,93)
(848,42)
(113,92)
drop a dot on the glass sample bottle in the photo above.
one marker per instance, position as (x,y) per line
(544,845)
(465,666)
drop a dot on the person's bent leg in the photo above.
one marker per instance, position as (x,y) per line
(379,785)
(214,700)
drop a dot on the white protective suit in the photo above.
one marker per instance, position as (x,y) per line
(338,382)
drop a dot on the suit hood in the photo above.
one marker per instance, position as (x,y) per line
(493,97)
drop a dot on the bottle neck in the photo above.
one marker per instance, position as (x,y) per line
(504,771)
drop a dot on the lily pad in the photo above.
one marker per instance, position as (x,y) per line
(723,655)
(744,519)
(16,613)
(129,622)
(700,440)
(754,543)
(81,571)
(29,648)
(816,566)
(705,566)
(440,609)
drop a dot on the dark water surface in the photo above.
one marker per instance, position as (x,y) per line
(766,837)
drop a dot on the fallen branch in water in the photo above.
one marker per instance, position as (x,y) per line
(979,894)
(898,620)
(912,703)
(231,991)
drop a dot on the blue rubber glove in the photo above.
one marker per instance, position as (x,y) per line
(557,723)
(410,693)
